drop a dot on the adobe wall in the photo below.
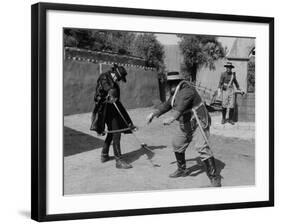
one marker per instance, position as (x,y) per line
(141,89)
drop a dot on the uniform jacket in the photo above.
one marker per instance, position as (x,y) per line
(104,111)
(186,99)
(225,79)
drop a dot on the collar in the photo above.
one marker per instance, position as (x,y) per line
(113,76)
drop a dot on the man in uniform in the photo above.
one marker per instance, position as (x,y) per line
(226,88)
(194,125)
(109,110)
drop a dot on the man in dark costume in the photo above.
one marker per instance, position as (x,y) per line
(226,88)
(194,126)
(109,110)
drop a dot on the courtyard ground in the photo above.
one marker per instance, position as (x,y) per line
(233,147)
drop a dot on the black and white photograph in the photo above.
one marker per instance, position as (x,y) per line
(142,112)
(149,111)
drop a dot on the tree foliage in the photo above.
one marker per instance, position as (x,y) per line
(115,41)
(199,51)
(148,47)
(129,43)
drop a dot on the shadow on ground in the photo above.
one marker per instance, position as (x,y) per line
(199,166)
(78,142)
(135,155)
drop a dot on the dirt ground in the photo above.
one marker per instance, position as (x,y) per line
(233,147)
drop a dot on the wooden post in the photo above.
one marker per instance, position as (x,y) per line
(100,66)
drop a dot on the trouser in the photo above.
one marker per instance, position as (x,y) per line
(185,139)
(112,137)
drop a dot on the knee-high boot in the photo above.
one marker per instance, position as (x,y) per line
(212,172)
(231,116)
(181,170)
(120,164)
(105,149)
(223,112)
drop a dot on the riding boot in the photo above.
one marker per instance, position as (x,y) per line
(105,149)
(181,170)
(231,116)
(212,172)
(104,153)
(120,164)
(223,120)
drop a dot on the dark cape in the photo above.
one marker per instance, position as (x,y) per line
(104,111)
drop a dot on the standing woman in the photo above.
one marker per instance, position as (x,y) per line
(109,110)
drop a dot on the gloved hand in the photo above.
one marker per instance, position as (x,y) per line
(112,96)
(133,127)
(111,99)
(149,118)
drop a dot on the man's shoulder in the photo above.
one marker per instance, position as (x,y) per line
(187,90)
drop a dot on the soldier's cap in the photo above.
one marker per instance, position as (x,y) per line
(174,76)
(121,72)
(228,65)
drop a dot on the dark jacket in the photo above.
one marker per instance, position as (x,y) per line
(226,78)
(186,99)
(104,111)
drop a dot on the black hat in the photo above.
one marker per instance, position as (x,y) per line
(229,65)
(120,72)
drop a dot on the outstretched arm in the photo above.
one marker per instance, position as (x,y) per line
(161,109)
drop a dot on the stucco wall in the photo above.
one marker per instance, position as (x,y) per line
(141,89)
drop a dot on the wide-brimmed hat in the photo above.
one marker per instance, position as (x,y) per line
(120,72)
(229,65)
(171,76)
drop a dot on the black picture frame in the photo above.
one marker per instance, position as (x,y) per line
(39,108)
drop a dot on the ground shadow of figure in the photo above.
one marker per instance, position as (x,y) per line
(199,167)
(130,157)
(77,142)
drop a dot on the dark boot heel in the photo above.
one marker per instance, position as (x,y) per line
(120,164)
(211,170)
(181,170)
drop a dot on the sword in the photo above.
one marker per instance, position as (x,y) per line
(200,127)
(143,145)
